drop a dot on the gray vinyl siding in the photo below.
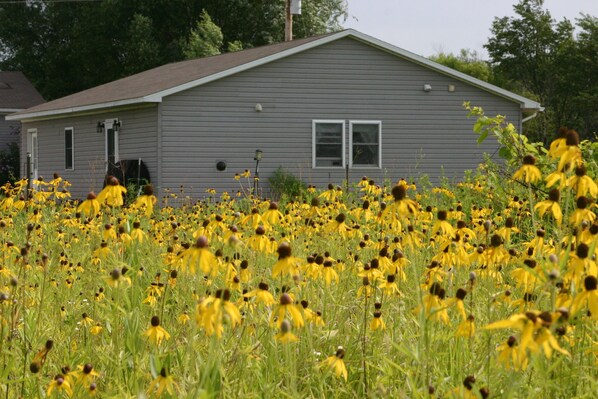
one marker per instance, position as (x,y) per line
(9,132)
(137,139)
(422,133)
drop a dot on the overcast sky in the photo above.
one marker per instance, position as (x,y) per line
(427,27)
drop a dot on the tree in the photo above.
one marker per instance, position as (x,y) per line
(531,54)
(468,62)
(65,47)
(206,39)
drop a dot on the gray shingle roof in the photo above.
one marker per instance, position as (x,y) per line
(152,85)
(163,78)
(16,92)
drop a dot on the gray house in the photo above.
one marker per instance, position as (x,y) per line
(314,106)
(16,95)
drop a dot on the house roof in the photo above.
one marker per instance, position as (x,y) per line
(17,93)
(154,84)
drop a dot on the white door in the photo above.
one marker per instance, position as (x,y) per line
(32,149)
(111,131)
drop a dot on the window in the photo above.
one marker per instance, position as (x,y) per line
(365,139)
(69,148)
(328,144)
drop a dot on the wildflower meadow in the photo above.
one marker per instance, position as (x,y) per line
(485,288)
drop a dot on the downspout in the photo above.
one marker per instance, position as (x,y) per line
(529,118)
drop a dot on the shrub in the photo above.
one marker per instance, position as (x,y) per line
(10,163)
(284,183)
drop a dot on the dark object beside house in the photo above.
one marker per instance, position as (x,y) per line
(129,172)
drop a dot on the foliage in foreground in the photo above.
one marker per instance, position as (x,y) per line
(484,288)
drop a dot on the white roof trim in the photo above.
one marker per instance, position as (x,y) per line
(83,108)
(525,103)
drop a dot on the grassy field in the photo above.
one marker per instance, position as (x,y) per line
(386,289)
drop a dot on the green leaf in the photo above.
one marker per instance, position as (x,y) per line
(483,136)
(505,153)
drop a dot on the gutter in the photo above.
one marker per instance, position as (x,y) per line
(532,116)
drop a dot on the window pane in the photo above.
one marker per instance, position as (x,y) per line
(366,144)
(365,155)
(68,149)
(367,134)
(329,144)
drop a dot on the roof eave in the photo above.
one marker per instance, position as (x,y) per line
(10,110)
(76,110)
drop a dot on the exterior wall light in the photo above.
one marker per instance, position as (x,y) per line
(256,179)
(451,88)
(221,166)
(100,127)
(116,125)
(427,88)
(258,107)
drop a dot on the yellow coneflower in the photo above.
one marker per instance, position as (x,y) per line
(457,302)
(59,384)
(582,213)
(432,304)
(336,363)
(580,263)
(442,226)
(262,295)
(588,297)
(285,335)
(259,242)
(198,256)
(338,226)
(156,333)
(90,207)
(551,205)
(511,356)
(377,322)
(146,201)
(529,172)
(558,145)
(582,183)
(163,382)
(464,391)
(137,234)
(96,330)
(331,194)
(571,156)
(402,206)
(272,216)
(85,375)
(286,265)
(112,194)
(40,358)
(466,328)
(86,321)
(285,308)
(329,274)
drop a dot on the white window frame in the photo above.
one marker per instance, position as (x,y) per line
(313,143)
(365,122)
(109,124)
(72,129)
(33,149)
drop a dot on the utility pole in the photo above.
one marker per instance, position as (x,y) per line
(288,22)
(292,7)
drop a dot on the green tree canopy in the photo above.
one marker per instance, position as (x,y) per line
(468,62)
(538,57)
(65,47)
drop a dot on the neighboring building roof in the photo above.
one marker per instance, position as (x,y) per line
(152,85)
(17,93)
